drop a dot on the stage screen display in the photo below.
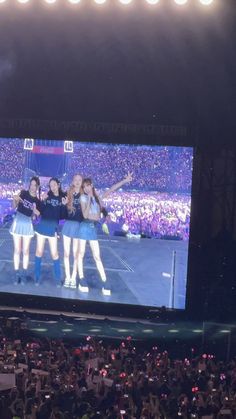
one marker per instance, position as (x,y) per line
(120,238)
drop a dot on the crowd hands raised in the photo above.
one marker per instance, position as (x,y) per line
(60,380)
(163,168)
(156,168)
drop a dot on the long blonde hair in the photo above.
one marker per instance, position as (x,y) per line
(70,195)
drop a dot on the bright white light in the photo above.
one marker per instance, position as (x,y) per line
(181,2)
(23,1)
(206,2)
(2,1)
(39,330)
(100,1)
(95,329)
(74,2)
(126,1)
(50,1)
(152,1)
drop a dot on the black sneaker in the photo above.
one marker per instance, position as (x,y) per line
(23,277)
(83,285)
(16,278)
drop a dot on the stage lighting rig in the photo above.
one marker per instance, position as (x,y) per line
(124,2)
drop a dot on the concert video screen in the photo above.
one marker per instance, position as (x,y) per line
(95,221)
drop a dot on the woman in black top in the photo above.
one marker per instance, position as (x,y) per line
(27,204)
(51,210)
(70,230)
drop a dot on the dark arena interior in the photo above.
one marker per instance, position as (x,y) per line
(117,209)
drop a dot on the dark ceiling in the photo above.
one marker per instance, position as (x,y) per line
(136,63)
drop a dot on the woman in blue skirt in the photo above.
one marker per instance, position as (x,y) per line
(51,212)
(91,205)
(70,230)
(28,205)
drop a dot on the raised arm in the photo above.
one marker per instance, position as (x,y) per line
(127,179)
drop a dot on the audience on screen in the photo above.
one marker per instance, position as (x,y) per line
(164,169)
(158,202)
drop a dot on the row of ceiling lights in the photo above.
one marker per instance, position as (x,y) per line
(179,2)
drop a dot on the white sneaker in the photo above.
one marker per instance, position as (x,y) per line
(106,292)
(67,283)
(106,288)
(73,283)
(83,285)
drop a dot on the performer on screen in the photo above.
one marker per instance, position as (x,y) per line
(91,205)
(28,205)
(70,230)
(51,209)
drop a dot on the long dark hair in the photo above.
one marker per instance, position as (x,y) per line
(60,191)
(37,181)
(88,181)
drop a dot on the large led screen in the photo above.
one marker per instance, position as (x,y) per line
(95,221)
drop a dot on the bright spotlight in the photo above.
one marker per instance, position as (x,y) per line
(152,1)
(126,1)
(23,1)
(206,2)
(74,1)
(181,2)
(100,1)
(2,1)
(50,1)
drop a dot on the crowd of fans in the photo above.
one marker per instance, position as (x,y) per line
(158,202)
(151,214)
(60,380)
(164,169)
(11,159)
(155,168)
(7,191)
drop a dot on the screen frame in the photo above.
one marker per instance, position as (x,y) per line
(25,301)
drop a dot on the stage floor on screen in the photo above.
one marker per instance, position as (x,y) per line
(139,271)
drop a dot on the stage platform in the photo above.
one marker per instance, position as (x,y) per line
(139,271)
